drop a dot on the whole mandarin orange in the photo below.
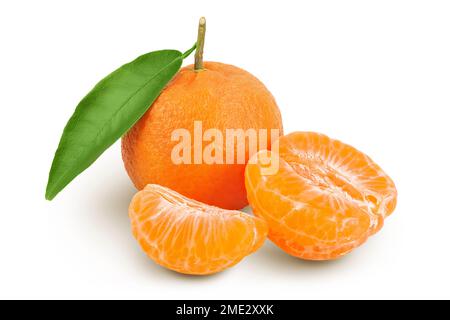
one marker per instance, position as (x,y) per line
(222,97)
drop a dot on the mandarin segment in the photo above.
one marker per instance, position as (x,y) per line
(325,200)
(190,237)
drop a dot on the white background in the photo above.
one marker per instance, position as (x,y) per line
(374,74)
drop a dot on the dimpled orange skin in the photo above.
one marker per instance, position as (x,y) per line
(326,199)
(221,96)
(190,237)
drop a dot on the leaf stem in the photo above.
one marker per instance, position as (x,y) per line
(200,44)
(188,53)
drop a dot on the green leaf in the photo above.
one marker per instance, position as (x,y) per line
(107,112)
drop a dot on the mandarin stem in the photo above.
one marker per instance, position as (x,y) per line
(200,44)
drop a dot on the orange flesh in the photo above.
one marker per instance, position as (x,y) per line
(190,237)
(326,199)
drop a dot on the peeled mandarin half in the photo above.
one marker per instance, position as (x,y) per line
(325,200)
(190,237)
